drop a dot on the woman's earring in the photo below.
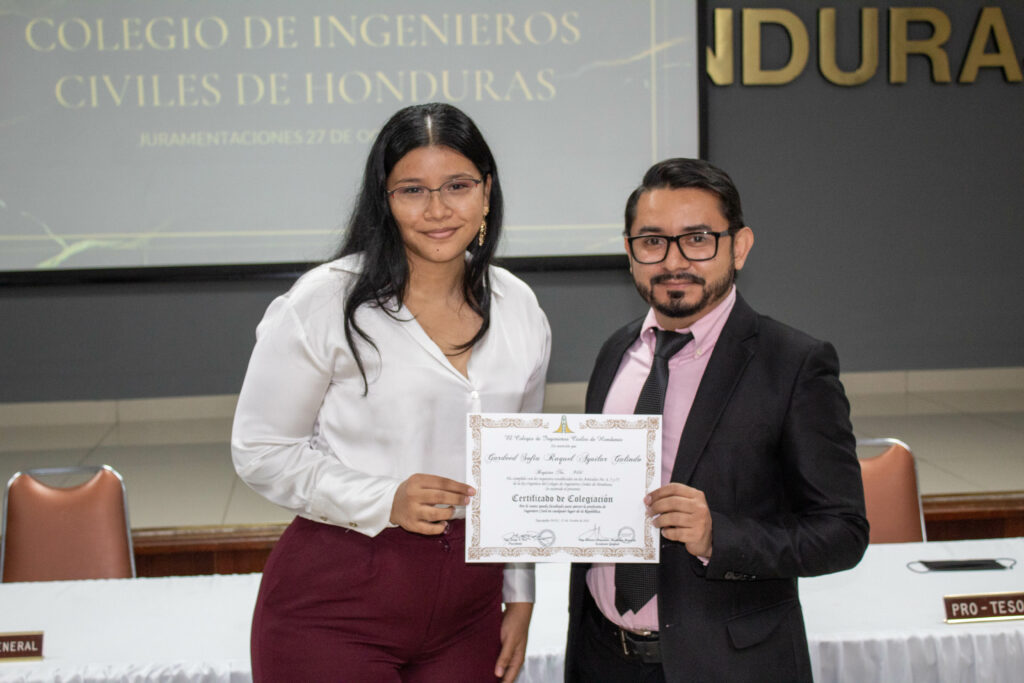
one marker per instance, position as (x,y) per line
(483,227)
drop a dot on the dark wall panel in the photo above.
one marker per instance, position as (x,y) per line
(888,217)
(129,340)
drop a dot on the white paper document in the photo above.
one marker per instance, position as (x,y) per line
(561,488)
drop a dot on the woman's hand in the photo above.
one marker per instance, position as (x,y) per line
(415,505)
(514,627)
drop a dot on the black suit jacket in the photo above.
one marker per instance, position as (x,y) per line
(769,442)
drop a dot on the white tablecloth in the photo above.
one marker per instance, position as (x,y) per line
(877,622)
(882,622)
(169,629)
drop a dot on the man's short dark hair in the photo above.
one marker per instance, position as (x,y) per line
(675,174)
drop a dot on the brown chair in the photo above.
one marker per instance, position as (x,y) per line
(53,533)
(891,494)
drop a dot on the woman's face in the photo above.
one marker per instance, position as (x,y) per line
(437,202)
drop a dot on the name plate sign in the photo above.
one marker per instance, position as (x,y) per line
(984,607)
(21,646)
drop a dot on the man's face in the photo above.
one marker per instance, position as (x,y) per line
(682,291)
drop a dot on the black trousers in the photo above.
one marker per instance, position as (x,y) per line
(599,657)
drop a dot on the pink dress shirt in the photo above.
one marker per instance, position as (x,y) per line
(686,369)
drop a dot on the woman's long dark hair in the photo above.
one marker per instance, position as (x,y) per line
(373,232)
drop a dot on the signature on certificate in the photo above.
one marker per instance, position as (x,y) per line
(543,538)
(625,535)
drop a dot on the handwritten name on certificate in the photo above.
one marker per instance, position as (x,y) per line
(562,488)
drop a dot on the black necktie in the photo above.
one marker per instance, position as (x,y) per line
(636,584)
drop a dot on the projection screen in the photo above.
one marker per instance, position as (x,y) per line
(169,133)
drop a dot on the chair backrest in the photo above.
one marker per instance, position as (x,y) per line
(53,533)
(890,493)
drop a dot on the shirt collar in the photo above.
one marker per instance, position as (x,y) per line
(705,331)
(353,263)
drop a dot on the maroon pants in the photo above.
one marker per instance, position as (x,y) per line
(336,605)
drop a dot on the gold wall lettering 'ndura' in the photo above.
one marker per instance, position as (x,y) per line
(990,27)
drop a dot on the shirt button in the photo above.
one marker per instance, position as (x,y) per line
(475,395)
(322,518)
(353,525)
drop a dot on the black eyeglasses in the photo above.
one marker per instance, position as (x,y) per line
(694,246)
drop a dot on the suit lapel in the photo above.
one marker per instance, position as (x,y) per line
(608,361)
(733,350)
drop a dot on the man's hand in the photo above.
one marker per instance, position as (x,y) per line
(415,505)
(682,514)
(514,627)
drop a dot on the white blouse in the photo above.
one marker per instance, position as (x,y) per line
(306,437)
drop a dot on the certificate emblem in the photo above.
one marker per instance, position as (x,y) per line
(562,488)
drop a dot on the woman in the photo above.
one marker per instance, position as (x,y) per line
(352,415)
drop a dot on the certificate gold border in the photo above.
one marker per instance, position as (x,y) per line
(477,423)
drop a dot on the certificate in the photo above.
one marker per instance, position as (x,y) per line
(562,488)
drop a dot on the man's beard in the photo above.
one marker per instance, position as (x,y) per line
(676,306)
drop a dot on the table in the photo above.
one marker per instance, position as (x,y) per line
(879,621)
(183,629)
(882,622)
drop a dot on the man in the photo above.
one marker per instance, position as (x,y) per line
(760,479)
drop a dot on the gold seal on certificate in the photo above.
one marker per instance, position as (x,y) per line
(562,488)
